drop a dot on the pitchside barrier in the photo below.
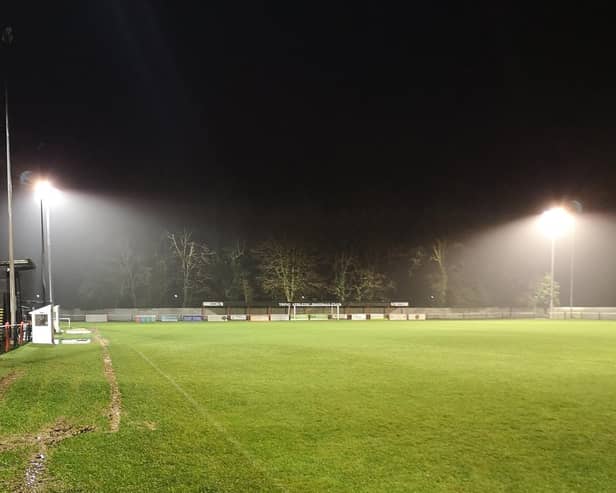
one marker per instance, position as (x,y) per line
(373,311)
(255,317)
(14,336)
(261,315)
(584,313)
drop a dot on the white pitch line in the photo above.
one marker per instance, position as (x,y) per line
(219,427)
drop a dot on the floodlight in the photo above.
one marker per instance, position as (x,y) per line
(556,222)
(46,192)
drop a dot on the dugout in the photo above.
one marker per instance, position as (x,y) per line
(239,309)
(21,266)
(375,309)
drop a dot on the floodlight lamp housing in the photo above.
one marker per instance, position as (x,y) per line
(46,192)
(556,222)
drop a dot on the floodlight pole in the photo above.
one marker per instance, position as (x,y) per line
(50,285)
(43,282)
(552,278)
(571,272)
(9,193)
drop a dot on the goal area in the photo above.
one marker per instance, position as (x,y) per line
(312,311)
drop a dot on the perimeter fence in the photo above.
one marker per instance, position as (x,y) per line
(14,336)
(274,312)
(584,313)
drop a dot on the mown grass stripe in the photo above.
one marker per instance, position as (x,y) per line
(217,425)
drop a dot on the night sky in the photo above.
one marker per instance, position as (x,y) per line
(426,117)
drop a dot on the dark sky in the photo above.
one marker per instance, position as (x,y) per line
(436,110)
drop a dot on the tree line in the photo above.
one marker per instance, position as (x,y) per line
(180,270)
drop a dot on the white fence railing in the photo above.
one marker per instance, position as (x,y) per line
(346,313)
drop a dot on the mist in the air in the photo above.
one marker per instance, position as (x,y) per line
(489,266)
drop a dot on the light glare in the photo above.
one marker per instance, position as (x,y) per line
(556,222)
(46,192)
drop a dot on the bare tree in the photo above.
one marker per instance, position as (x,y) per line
(415,258)
(441,282)
(454,282)
(193,259)
(240,281)
(370,285)
(230,278)
(343,266)
(286,270)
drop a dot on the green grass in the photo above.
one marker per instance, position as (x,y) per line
(490,406)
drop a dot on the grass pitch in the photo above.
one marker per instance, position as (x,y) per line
(484,406)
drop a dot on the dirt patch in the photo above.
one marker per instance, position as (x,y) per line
(34,477)
(115,407)
(8,380)
(34,473)
(60,430)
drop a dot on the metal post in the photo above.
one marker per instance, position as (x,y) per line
(552,278)
(9,183)
(571,272)
(49,254)
(43,269)
(7,40)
